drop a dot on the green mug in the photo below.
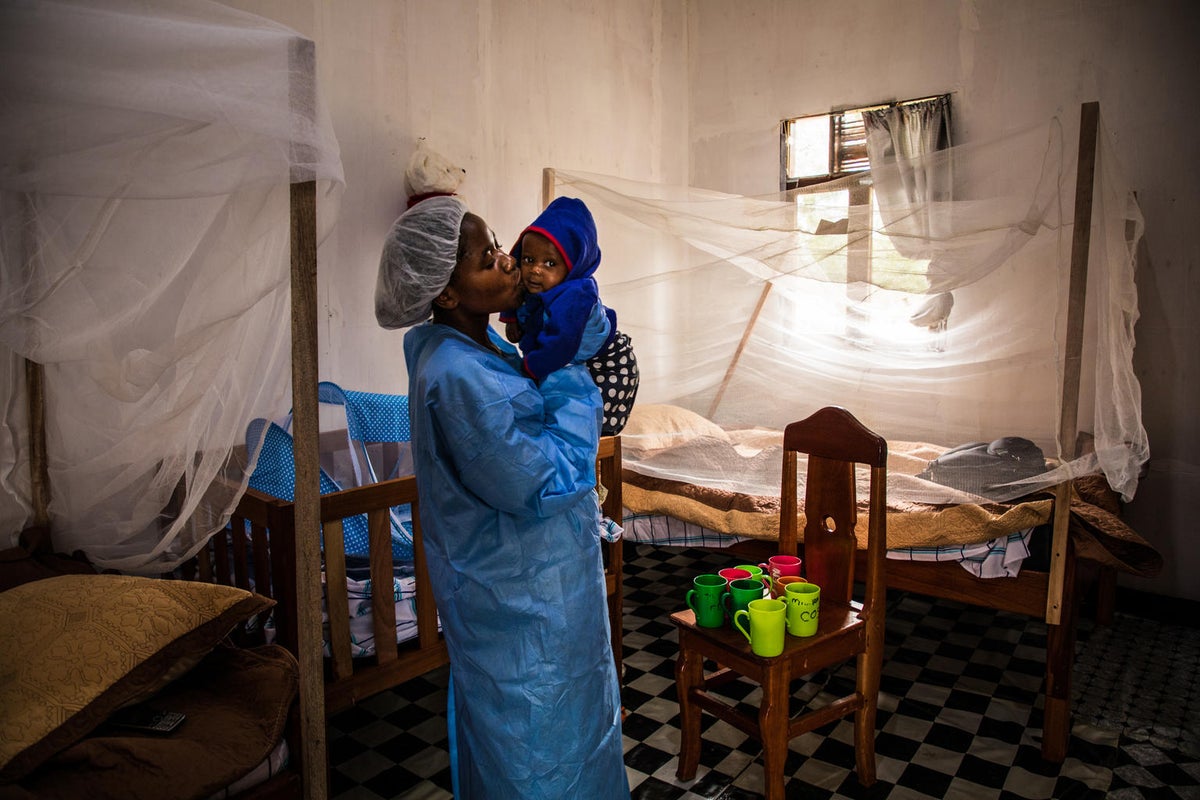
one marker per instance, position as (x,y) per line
(704,598)
(740,593)
(767,624)
(803,608)
(756,572)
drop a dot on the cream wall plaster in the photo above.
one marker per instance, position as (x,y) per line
(502,87)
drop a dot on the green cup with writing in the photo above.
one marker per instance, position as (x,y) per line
(803,608)
(766,626)
(704,598)
(740,593)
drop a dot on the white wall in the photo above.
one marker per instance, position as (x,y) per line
(504,88)
(1009,63)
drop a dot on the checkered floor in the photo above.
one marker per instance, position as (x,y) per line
(959,715)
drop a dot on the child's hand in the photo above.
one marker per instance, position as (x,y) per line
(512,332)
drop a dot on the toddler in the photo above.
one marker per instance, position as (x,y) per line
(561,320)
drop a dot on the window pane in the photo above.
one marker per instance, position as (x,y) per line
(850,155)
(822,255)
(808,147)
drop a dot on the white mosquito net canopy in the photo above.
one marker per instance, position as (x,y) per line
(146,156)
(928,296)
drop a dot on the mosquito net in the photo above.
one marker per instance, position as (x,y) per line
(146,155)
(929,296)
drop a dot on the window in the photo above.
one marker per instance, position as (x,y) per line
(883,295)
(822,147)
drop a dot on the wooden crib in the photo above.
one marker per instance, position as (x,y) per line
(266,559)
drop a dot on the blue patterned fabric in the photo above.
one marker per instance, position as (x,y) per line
(370,417)
(275,474)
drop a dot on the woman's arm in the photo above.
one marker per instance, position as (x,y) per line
(522,448)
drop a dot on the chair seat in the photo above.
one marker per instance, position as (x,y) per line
(836,623)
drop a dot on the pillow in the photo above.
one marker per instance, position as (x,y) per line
(655,426)
(75,648)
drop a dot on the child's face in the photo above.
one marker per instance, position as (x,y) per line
(542,266)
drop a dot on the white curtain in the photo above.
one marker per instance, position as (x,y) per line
(146,152)
(909,134)
(732,304)
(909,180)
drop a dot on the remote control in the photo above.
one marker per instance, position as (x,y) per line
(146,719)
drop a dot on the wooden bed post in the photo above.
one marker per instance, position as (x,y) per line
(1060,589)
(39,472)
(1089,120)
(608,474)
(35,398)
(302,59)
(547,185)
(737,354)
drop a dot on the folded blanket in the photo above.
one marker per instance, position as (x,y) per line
(1100,535)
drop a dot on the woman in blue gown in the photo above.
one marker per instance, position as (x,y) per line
(506,474)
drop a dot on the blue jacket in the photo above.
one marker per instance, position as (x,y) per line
(554,322)
(506,473)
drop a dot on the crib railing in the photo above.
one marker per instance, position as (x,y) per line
(264,561)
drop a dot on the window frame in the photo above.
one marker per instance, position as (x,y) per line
(859,253)
(839,154)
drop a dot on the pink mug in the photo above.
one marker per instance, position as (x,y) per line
(731,574)
(778,566)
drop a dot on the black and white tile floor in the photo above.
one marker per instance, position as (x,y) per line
(959,715)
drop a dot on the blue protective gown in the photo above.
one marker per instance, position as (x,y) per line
(506,471)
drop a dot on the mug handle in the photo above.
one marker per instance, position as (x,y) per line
(726,603)
(739,615)
(690,599)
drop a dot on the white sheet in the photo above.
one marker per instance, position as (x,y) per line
(998,558)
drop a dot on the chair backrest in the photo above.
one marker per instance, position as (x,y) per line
(834,441)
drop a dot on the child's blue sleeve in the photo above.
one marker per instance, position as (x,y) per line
(596,333)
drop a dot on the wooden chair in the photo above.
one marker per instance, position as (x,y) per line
(834,442)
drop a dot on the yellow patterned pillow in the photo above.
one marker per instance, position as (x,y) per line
(75,648)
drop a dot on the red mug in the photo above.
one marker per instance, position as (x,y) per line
(731,574)
(778,566)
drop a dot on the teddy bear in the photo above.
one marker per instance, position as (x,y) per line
(430,174)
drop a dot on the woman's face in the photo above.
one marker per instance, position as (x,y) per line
(486,279)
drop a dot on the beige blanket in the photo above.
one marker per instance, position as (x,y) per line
(756,516)
(1097,530)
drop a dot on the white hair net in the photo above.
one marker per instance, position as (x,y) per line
(418,257)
